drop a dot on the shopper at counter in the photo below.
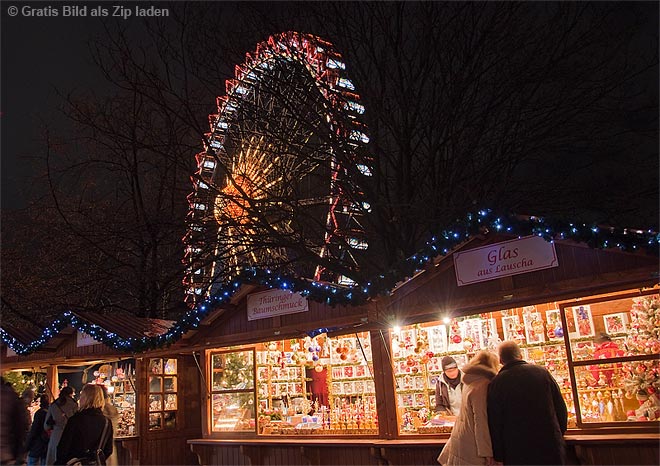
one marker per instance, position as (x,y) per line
(59,413)
(449,388)
(470,438)
(87,430)
(527,415)
(36,443)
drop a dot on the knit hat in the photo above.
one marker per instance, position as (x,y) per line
(448,363)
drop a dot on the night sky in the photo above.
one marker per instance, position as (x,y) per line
(44,55)
(41,56)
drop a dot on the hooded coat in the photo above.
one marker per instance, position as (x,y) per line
(470,441)
(526,415)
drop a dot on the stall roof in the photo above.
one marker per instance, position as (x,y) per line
(147,335)
(127,325)
(120,331)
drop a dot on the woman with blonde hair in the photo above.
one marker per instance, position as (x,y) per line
(469,442)
(87,429)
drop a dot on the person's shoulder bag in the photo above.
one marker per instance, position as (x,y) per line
(93,458)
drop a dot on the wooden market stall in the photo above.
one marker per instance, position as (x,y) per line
(269,377)
(354,384)
(156,392)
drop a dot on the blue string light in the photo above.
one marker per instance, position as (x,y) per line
(383,284)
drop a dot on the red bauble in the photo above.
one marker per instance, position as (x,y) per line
(456,339)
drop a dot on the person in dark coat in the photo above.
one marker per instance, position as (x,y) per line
(13,424)
(83,431)
(36,442)
(527,415)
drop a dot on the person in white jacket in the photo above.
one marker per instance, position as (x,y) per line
(470,443)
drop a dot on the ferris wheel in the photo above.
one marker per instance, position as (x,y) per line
(281,169)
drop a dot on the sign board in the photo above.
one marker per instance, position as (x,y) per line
(274,303)
(504,259)
(82,339)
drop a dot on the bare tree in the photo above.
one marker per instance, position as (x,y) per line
(507,105)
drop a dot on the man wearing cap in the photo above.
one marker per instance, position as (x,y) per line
(449,388)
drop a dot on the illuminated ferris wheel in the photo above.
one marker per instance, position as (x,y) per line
(281,170)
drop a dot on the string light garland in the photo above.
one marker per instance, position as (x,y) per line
(440,244)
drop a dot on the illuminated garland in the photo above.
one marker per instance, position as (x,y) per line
(441,244)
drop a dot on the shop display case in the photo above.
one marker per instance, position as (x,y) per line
(119,379)
(615,348)
(232,391)
(611,386)
(312,385)
(163,397)
(351,387)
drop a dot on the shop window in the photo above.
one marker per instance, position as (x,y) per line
(163,401)
(232,391)
(417,352)
(314,386)
(317,386)
(118,377)
(615,381)
(614,343)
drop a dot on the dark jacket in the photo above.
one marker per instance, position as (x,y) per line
(12,424)
(526,416)
(82,434)
(36,442)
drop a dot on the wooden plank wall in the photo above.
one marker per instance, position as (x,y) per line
(645,453)
(234,328)
(631,454)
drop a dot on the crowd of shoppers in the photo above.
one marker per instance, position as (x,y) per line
(59,431)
